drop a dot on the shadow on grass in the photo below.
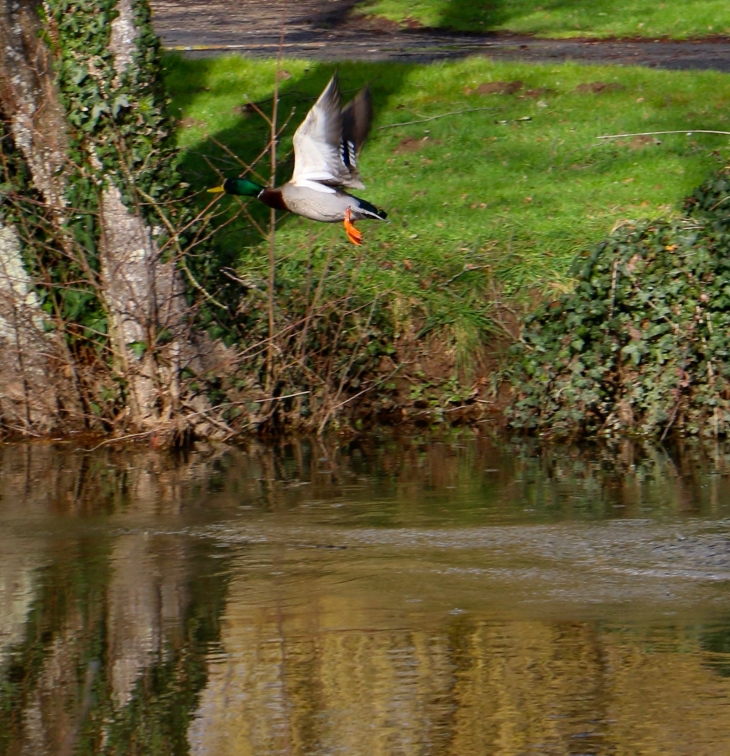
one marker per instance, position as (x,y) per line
(478,16)
(215,157)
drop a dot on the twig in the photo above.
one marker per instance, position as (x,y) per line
(174,237)
(468,268)
(272,213)
(433,118)
(212,420)
(196,285)
(341,324)
(353,356)
(717,204)
(278,398)
(614,282)
(688,132)
(375,384)
(119,438)
(263,342)
(311,307)
(246,166)
(24,431)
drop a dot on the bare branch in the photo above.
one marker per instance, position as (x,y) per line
(688,132)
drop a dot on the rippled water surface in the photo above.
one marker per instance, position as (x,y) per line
(364,598)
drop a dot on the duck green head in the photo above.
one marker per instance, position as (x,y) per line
(240,186)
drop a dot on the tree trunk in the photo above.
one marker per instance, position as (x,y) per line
(144,297)
(29,356)
(94,309)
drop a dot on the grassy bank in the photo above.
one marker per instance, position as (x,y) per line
(603,18)
(492,176)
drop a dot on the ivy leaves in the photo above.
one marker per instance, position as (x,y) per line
(642,344)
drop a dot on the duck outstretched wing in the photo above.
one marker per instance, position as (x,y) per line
(328,141)
(357,117)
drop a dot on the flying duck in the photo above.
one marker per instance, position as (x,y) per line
(326,146)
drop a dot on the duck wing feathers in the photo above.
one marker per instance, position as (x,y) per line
(357,117)
(327,142)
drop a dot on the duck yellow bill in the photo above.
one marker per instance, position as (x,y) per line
(216,189)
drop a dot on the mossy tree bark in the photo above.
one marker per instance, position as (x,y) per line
(94,228)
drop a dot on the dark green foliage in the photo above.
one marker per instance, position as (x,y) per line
(641,345)
(711,201)
(123,118)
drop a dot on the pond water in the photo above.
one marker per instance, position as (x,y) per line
(386,596)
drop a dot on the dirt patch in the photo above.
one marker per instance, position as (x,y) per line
(411,144)
(187,123)
(538,92)
(381,25)
(495,87)
(597,87)
(412,23)
(639,142)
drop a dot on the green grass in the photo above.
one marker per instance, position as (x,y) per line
(483,205)
(517,201)
(678,19)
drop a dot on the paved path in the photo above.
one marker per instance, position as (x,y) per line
(327,30)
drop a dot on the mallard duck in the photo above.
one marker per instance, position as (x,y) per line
(326,146)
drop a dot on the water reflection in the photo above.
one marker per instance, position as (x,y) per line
(467,687)
(380,597)
(106,623)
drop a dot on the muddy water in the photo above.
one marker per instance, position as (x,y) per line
(380,597)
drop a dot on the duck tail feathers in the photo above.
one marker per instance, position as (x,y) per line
(370,211)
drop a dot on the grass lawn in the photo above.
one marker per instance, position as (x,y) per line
(678,19)
(478,200)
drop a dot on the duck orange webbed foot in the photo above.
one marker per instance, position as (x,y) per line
(352,233)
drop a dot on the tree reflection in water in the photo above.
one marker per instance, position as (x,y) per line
(381,597)
(106,623)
